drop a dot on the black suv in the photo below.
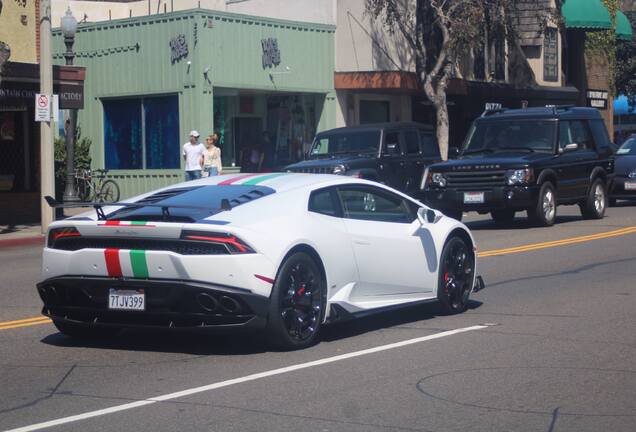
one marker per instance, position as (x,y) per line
(526,159)
(391,153)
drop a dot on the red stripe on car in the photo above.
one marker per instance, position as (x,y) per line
(264,278)
(235,179)
(113,266)
(111,223)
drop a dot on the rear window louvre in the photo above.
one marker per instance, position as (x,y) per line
(159,196)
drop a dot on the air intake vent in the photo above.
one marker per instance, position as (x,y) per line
(160,196)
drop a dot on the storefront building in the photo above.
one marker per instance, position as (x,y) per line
(150,80)
(19,132)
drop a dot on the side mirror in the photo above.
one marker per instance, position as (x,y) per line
(427,216)
(570,147)
(453,152)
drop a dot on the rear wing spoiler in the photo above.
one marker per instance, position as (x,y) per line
(98,206)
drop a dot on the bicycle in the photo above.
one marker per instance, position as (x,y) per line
(94,186)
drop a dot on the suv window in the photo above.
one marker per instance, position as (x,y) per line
(428,144)
(373,204)
(321,201)
(345,142)
(412,141)
(537,135)
(575,131)
(599,131)
(391,143)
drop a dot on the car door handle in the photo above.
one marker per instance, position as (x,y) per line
(361,242)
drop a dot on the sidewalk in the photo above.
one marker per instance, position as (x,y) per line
(28,234)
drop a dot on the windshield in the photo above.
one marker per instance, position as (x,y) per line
(628,147)
(490,136)
(345,142)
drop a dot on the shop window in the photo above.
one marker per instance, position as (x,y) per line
(550,55)
(162,146)
(374,111)
(142,133)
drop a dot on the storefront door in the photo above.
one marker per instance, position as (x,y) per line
(247,135)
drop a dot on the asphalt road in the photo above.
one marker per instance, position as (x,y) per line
(553,350)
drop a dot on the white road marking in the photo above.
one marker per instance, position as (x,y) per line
(253,377)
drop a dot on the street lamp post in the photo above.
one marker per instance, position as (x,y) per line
(69,27)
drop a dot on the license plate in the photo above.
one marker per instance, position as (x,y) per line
(126,300)
(630,185)
(473,197)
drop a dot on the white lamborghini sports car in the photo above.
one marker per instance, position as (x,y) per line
(281,252)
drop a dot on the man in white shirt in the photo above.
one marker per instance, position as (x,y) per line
(193,152)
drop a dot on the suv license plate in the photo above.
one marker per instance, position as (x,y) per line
(126,300)
(473,197)
(630,185)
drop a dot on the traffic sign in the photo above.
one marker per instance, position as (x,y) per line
(42,107)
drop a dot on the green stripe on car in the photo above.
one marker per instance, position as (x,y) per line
(261,179)
(139,264)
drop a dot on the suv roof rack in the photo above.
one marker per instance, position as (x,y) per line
(556,108)
(493,111)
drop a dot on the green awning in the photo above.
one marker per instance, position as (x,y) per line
(586,14)
(623,27)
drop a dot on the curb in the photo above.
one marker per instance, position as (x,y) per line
(25,241)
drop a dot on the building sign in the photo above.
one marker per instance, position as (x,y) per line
(597,98)
(271,53)
(178,48)
(42,107)
(71,96)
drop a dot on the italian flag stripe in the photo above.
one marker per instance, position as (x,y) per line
(113,265)
(138,262)
(116,268)
(116,223)
(257,180)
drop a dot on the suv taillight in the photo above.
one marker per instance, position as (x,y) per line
(58,233)
(233,244)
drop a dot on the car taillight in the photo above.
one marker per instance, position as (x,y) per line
(56,234)
(233,244)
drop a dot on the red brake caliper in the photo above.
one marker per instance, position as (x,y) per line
(446,278)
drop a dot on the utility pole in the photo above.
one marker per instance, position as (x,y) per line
(47,170)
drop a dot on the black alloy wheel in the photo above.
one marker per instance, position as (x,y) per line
(545,210)
(297,303)
(456,275)
(596,201)
(502,217)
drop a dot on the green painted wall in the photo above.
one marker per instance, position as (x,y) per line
(133,57)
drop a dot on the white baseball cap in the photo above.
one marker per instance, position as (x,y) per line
(194,133)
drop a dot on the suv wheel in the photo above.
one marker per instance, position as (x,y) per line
(502,217)
(594,205)
(544,212)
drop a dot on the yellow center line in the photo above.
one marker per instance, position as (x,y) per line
(563,242)
(6,325)
(27,323)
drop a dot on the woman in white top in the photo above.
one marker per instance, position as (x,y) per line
(212,157)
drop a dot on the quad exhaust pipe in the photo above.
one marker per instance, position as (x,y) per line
(225,303)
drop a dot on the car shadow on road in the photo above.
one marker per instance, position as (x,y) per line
(516,223)
(244,343)
(182,342)
(386,320)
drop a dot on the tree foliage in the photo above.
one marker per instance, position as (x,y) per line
(82,153)
(440,32)
(625,71)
